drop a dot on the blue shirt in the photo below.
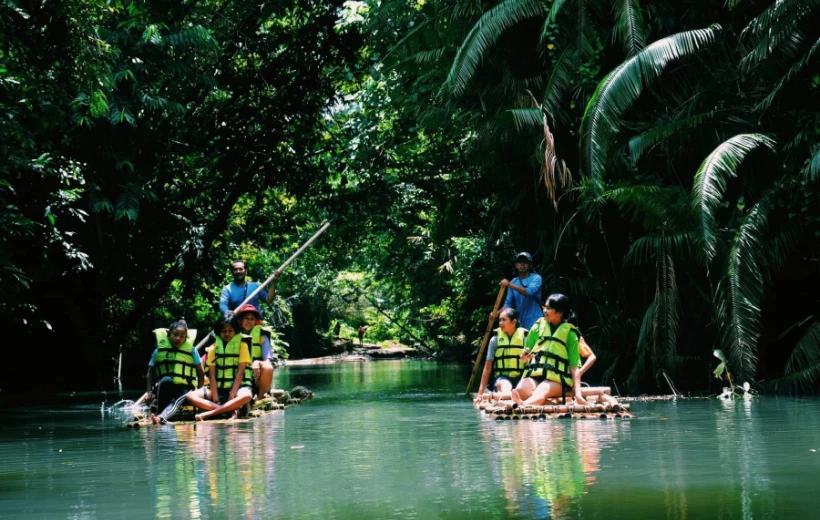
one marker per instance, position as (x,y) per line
(529,306)
(232,295)
(194,354)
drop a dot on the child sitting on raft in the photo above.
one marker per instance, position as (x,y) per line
(250,323)
(174,364)
(229,371)
(504,354)
(552,357)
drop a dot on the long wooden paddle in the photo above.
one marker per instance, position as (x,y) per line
(276,273)
(486,338)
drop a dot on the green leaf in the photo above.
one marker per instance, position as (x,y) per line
(483,35)
(619,90)
(711,180)
(629,26)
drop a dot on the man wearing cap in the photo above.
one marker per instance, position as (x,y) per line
(524,291)
(235,292)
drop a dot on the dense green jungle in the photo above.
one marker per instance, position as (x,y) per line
(659,159)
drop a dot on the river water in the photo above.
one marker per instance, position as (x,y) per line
(400,440)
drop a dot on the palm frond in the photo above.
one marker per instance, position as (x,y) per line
(740,290)
(561,77)
(483,35)
(652,205)
(812,170)
(622,87)
(710,181)
(802,370)
(554,9)
(682,245)
(775,27)
(641,348)
(792,72)
(665,320)
(629,26)
(641,143)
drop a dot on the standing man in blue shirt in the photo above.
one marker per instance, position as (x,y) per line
(235,292)
(524,291)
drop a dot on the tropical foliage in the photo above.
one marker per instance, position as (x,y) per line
(659,159)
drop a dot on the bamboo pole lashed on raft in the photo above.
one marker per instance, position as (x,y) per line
(486,338)
(282,267)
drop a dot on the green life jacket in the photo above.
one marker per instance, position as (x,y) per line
(178,363)
(227,361)
(551,354)
(507,361)
(257,332)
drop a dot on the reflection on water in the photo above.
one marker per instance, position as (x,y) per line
(544,467)
(400,440)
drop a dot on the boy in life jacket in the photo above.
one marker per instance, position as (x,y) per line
(504,354)
(174,365)
(250,323)
(229,368)
(552,357)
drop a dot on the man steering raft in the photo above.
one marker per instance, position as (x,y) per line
(524,291)
(237,291)
(504,354)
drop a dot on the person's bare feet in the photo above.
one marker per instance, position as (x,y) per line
(517,398)
(199,417)
(580,401)
(154,419)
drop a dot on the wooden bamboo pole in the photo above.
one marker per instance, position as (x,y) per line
(486,338)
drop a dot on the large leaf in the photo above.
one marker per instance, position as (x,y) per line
(792,72)
(802,370)
(775,27)
(629,26)
(483,35)
(619,90)
(711,179)
(641,143)
(741,289)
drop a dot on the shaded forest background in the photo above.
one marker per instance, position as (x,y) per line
(659,159)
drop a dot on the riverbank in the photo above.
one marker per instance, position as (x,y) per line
(359,354)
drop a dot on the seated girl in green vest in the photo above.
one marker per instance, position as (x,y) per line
(250,323)
(175,366)
(504,354)
(552,357)
(229,372)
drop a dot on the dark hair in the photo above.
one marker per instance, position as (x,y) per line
(238,262)
(179,324)
(562,304)
(510,313)
(229,319)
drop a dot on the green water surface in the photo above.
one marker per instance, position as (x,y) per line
(400,440)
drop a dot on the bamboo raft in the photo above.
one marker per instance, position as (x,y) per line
(601,406)
(277,400)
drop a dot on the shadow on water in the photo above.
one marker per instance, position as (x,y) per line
(400,440)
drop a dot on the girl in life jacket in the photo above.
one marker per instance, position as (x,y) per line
(552,357)
(250,323)
(229,366)
(504,354)
(175,367)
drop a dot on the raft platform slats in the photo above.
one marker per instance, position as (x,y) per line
(601,405)
(277,400)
